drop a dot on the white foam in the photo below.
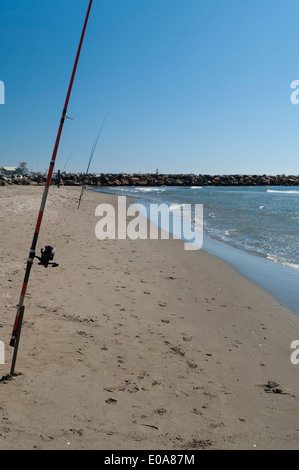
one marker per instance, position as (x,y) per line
(149,189)
(285,263)
(230,231)
(174,207)
(291,191)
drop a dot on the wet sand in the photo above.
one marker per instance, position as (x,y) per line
(136,344)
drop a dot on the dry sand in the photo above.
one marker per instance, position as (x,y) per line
(137,344)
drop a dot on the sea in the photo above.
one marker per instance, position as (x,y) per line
(253,228)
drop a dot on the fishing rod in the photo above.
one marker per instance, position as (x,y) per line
(48,253)
(69,158)
(91,156)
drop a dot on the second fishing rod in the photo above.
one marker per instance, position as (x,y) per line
(91,157)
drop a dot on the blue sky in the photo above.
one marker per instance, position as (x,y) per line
(191,86)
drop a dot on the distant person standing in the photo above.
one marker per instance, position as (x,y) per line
(58,179)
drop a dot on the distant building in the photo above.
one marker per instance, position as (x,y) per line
(23,168)
(15,170)
(9,170)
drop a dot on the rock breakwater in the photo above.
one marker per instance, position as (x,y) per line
(70,179)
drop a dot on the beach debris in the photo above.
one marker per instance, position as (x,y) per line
(192,365)
(5,378)
(177,350)
(187,338)
(272,387)
(160,411)
(199,444)
(111,401)
(150,426)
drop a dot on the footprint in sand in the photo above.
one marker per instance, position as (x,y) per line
(111,401)
(177,350)
(160,411)
(192,365)
(187,338)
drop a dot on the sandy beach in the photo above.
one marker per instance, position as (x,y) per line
(136,344)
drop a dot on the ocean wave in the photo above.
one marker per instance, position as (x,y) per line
(229,232)
(174,207)
(285,263)
(147,190)
(291,191)
(195,187)
(114,188)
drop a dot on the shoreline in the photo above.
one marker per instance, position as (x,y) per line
(279,280)
(137,344)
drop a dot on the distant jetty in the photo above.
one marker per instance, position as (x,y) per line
(123,179)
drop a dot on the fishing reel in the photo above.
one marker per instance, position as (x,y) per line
(47,256)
